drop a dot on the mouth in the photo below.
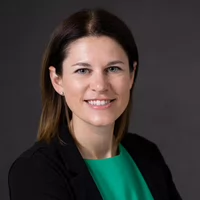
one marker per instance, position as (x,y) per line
(99,102)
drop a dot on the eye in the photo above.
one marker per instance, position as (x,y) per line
(82,71)
(114,69)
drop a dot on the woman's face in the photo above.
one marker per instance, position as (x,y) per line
(96,80)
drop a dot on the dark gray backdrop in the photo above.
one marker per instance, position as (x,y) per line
(166,97)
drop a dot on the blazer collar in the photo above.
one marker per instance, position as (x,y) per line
(149,166)
(82,181)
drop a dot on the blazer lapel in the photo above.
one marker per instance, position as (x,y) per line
(81,181)
(151,172)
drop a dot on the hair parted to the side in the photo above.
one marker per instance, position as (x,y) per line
(87,22)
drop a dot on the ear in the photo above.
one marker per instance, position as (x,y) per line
(133,75)
(56,80)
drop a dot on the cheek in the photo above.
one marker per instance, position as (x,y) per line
(123,86)
(73,90)
(70,85)
(124,92)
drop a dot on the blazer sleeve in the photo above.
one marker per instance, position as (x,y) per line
(34,178)
(173,192)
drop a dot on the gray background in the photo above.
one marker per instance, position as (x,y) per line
(166,97)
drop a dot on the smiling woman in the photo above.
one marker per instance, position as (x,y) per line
(97,87)
(84,150)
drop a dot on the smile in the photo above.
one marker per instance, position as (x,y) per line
(99,103)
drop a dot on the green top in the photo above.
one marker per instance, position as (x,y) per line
(119,178)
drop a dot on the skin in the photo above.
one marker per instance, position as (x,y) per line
(89,74)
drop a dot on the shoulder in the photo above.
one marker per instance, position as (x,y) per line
(141,146)
(137,141)
(39,173)
(39,150)
(150,161)
(38,159)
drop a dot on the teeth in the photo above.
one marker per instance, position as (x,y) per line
(98,102)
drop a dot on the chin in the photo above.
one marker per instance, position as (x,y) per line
(101,122)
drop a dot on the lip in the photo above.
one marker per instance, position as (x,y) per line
(99,100)
(100,107)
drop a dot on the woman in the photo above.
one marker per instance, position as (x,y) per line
(83,149)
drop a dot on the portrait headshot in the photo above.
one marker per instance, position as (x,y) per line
(84,150)
(110,116)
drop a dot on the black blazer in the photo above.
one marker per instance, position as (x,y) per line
(57,171)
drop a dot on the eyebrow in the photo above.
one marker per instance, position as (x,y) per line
(83,64)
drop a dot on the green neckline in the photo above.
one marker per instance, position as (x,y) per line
(107,159)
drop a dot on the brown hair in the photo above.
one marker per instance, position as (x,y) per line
(87,22)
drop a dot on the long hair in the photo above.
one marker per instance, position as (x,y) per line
(87,22)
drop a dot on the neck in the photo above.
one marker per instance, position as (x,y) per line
(94,142)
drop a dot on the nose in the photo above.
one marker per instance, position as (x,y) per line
(99,82)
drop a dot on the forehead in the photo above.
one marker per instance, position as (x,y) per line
(95,47)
